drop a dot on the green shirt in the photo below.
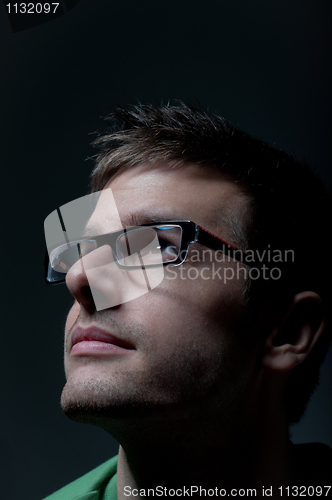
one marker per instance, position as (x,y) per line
(98,484)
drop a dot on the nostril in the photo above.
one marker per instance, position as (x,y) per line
(85,298)
(86,293)
(98,295)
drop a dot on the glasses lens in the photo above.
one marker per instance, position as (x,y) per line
(65,256)
(149,246)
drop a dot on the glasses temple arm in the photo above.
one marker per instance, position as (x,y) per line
(210,240)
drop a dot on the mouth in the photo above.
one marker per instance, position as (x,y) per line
(94,341)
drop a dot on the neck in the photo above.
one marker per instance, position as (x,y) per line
(207,456)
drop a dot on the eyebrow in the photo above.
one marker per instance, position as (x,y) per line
(138,219)
(135,219)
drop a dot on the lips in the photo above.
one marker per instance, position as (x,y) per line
(93,340)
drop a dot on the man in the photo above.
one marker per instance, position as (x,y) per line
(195,344)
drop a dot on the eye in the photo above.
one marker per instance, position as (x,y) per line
(167,249)
(153,244)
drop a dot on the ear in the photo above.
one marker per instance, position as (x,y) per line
(300,328)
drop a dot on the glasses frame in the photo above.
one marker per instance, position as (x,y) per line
(191,233)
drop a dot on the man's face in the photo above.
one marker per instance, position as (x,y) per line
(184,348)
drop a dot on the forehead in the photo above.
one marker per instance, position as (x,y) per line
(204,195)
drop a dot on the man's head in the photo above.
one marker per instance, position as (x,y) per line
(202,346)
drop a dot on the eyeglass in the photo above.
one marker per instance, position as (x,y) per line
(148,245)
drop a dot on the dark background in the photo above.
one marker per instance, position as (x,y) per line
(264,65)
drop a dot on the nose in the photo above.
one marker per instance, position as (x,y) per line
(78,284)
(86,279)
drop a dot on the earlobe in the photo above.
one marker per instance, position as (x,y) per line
(292,340)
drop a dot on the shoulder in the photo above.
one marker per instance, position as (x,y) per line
(88,486)
(314,460)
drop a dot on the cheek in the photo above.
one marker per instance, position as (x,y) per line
(195,323)
(178,315)
(202,296)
